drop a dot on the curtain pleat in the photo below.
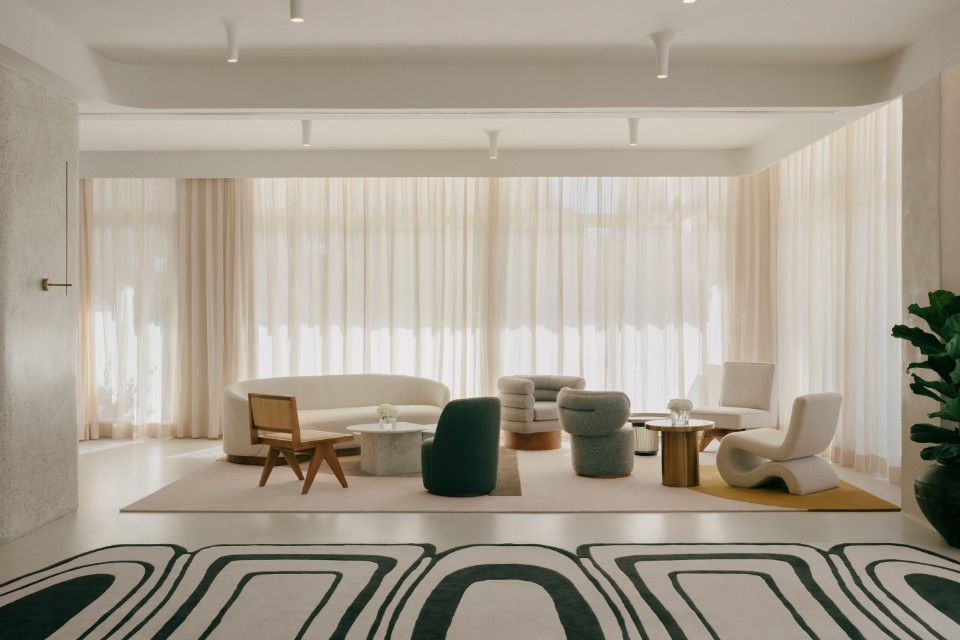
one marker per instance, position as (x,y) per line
(839,289)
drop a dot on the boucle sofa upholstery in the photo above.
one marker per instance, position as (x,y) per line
(331,403)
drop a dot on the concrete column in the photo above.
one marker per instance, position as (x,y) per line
(38,329)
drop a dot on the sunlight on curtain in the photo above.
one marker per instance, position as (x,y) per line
(617,280)
(358,275)
(129,291)
(839,284)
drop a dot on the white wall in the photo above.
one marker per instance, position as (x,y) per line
(38,330)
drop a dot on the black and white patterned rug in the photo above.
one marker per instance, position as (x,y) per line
(697,591)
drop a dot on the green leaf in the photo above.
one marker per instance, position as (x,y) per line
(944,367)
(934,315)
(945,389)
(925,432)
(951,328)
(928,343)
(919,387)
(940,299)
(953,307)
(950,411)
(946,453)
(953,347)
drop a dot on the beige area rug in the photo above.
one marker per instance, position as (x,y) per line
(846,497)
(548,485)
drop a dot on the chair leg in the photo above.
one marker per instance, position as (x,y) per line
(271,460)
(705,440)
(292,461)
(331,457)
(312,469)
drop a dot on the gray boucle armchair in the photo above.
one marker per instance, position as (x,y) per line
(528,414)
(600,440)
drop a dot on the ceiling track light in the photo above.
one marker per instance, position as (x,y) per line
(233,49)
(633,125)
(306,126)
(296,10)
(661,42)
(493,136)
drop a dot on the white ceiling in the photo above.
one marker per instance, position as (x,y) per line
(190,34)
(497,31)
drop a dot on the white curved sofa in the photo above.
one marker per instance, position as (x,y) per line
(330,403)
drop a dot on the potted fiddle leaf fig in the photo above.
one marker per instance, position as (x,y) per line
(938,487)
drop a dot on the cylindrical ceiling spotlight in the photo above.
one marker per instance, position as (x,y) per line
(233,49)
(492,137)
(306,125)
(661,42)
(296,10)
(633,124)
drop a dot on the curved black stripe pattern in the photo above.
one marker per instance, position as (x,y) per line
(245,580)
(42,613)
(872,572)
(767,579)
(942,594)
(628,564)
(578,620)
(851,589)
(384,566)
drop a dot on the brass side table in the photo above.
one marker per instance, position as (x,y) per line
(646,442)
(680,463)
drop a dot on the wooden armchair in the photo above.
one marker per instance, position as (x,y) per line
(277,415)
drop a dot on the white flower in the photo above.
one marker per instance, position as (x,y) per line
(387,411)
(679,405)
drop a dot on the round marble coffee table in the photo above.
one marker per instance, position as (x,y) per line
(389,451)
(680,463)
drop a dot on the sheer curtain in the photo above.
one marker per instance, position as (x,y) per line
(129,310)
(162,313)
(614,279)
(375,275)
(838,264)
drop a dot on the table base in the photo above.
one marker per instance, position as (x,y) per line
(390,454)
(680,463)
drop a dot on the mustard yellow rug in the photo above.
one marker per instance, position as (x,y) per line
(846,497)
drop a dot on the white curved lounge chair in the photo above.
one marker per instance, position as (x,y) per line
(751,458)
(748,400)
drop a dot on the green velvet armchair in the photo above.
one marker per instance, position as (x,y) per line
(461,459)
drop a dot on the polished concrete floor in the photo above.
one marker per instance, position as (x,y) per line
(115,473)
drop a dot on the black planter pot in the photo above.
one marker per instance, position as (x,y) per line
(938,493)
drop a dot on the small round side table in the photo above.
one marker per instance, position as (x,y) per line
(646,442)
(680,462)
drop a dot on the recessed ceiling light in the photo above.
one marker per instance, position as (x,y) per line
(305,125)
(632,124)
(689,1)
(296,10)
(492,137)
(233,50)
(661,42)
